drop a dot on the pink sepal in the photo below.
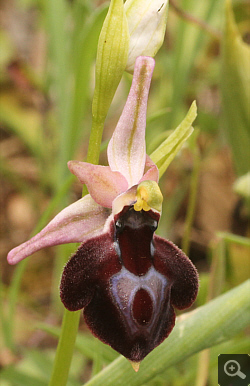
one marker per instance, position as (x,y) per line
(74,224)
(151,171)
(103,184)
(126,149)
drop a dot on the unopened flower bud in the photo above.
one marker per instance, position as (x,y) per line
(147,21)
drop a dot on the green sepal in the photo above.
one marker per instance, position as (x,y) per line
(166,152)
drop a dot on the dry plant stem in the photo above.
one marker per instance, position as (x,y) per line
(192,19)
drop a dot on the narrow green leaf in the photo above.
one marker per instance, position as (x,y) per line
(83,55)
(57,13)
(25,123)
(237,250)
(85,343)
(230,237)
(235,88)
(218,268)
(211,324)
(19,378)
(166,152)
(40,361)
(65,348)
(189,44)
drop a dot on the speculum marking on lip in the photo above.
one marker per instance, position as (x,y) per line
(142,307)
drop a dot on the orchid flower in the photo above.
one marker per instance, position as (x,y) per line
(125,277)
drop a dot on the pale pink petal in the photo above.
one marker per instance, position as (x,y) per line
(74,224)
(151,171)
(103,184)
(127,198)
(126,149)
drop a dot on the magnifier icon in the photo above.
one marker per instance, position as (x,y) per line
(234,368)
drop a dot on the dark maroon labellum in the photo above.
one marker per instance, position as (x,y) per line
(142,310)
(128,280)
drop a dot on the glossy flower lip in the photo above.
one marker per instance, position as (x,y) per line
(128,166)
(128,281)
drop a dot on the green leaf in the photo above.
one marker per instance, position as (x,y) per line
(235,88)
(65,348)
(83,54)
(20,378)
(237,250)
(211,324)
(85,343)
(190,43)
(166,152)
(41,362)
(25,123)
(56,13)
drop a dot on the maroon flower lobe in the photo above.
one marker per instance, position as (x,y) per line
(128,280)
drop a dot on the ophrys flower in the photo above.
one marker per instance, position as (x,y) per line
(125,277)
